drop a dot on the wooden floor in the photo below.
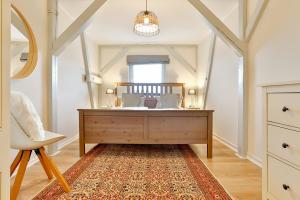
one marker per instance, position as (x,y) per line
(241,178)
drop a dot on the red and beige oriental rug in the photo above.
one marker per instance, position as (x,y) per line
(138,172)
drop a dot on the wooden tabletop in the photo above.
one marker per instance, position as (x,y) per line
(143,109)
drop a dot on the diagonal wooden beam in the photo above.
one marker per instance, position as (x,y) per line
(93,78)
(243,17)
(210,66)
(77,27)
(114,60)
(87,67)
(243,84)
(181,60)
(253,22)
(219,27)
(243,108)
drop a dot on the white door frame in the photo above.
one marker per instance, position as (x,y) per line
(4,99)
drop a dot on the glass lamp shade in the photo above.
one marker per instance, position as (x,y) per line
(192,92)
(146,24)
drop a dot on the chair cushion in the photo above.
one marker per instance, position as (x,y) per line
(23,111)
(20,141)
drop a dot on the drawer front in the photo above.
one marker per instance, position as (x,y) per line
(277,113)
(111,127)
(284,143)
(281,175)
(178,128)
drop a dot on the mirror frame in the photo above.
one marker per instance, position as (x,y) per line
(33,50)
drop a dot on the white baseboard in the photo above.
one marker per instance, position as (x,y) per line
(254,159)
(241,157)
(67,141)
(225,142)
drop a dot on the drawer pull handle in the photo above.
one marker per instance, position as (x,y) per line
(285,187)
(284,145)
(284,109)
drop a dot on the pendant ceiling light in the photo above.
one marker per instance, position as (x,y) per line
(146,23)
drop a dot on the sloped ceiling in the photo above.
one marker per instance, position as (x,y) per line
(180,23)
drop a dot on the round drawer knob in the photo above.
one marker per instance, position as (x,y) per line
(285,187)
(285,145)
(284,109)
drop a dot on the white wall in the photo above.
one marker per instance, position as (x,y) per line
(72,90)
(175,72)
(203,62)
(223,93)
(35,86)
(273,57)
(223,89)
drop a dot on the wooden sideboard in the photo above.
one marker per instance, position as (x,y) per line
(136,126)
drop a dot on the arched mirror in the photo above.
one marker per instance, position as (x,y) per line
(23,47)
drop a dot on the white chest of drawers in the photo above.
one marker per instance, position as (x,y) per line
(281,167)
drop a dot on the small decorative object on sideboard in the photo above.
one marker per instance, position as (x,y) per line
(192,93)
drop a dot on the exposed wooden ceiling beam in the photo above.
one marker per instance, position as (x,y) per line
(114,60)
(18,24)
(87,68)
(77,27)
(84,20)
(209,70)
(181,60)
(243,16)
(148,45)
(93,78)
(220,28)
(243,95)
(125,49)
(253,22)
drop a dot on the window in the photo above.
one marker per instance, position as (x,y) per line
(147,73)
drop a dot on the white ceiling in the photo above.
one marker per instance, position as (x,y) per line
(180,23)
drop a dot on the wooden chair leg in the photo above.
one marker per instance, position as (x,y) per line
(16,162)
(55,170)
(20,175)
(46,167)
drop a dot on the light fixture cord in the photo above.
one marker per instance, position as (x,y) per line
(146,5)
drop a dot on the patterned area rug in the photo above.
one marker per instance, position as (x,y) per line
(138,172)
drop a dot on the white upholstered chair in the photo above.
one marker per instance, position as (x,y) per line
(21,140)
